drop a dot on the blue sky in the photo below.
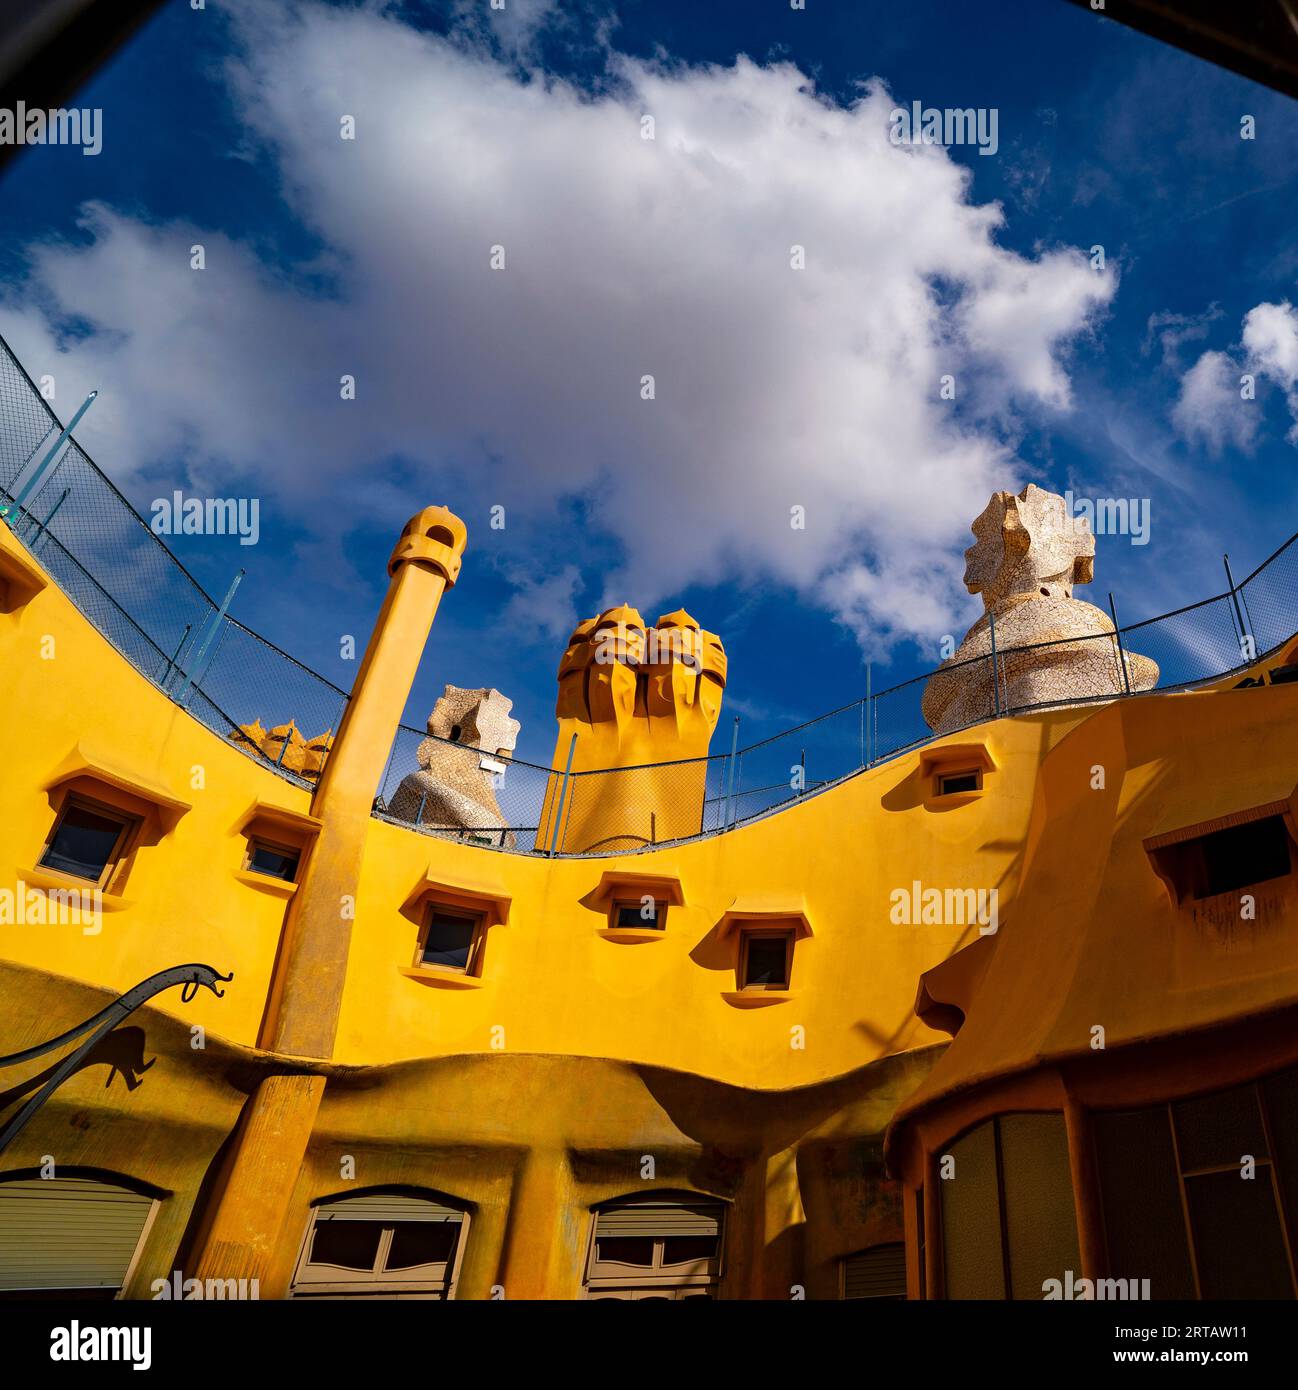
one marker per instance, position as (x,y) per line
(774,387)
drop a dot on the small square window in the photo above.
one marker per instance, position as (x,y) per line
(273,860)
(87,841)
(452,941)
(948,783)
(645,916)
(764,960)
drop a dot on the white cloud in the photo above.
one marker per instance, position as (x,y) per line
(625,257)
(1210,409)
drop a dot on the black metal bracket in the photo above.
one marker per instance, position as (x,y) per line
(189,977)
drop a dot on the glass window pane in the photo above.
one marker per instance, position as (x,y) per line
(767,958)
(1237,1240)
(971,1220)
(449,941)
(82,843)
(688,1249)
(1217,1130)
(633,915)
(625,1250)
(1141,1196)
(422,1243)
(1040,1220)
(351,1244)
(274,862)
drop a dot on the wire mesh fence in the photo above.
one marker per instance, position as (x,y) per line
(125,580)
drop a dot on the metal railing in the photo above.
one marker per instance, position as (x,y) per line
(123,578)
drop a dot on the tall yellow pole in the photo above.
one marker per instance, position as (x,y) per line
(251,1202)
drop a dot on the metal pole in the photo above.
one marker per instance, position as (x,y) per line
(175,656)
(730,774)
(869,698)
(423,801)
(1237,595)
(1122,655)
(1234,597)
(996,678)
(192,675)
(45,525)
(563,791)
(802,767)
(41,468)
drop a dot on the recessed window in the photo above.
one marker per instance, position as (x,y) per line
(765,959)
(647,914)
(656,1248)
(275,861)
(87,841)
(1225,861)
(386,1244)
(452,941)
(969,780)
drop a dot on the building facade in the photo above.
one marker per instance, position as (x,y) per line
(846,1049)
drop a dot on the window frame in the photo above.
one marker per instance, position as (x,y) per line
(945,774)
(619,905)
(129,825)
(656,1280)
(472,967)
(256,841)
(750,934)
(378,1282)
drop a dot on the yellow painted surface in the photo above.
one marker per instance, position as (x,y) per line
(540,1091)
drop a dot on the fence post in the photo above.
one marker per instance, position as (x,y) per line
(1235,596)
(175,656)
(563,792)
(1122,655)
(193,674)
(996,677)
(730,774)
(44,527)
(867,713)
(38,476)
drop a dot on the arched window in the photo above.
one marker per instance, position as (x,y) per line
(879,1271)
(385,1243)
(656,1245)
(77,1233)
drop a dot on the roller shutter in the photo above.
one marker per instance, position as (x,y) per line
(386,1207)
(660,1219)
(68,1233)
(879,1272)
